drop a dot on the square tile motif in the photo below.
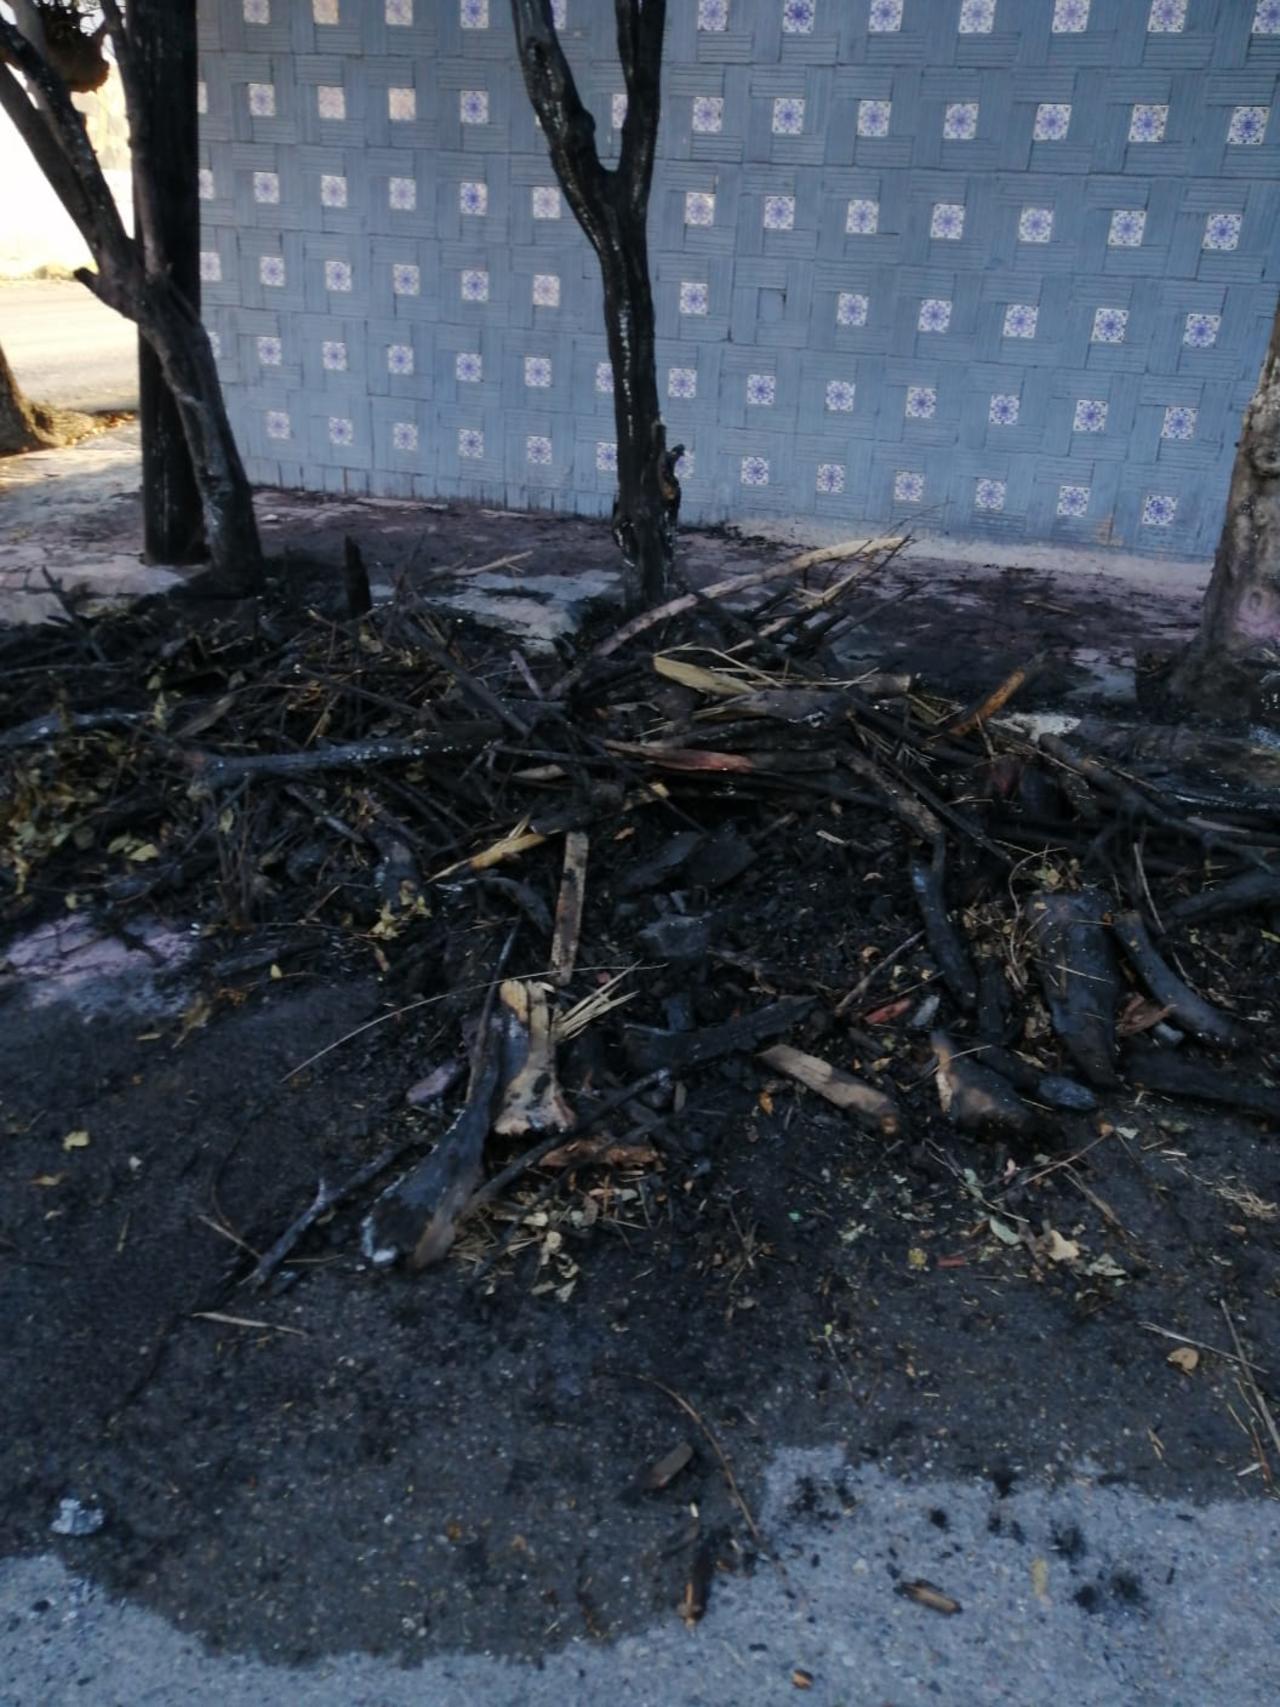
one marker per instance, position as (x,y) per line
(884,17)
(862,218)
(1147,123)
(977,17)
(1090,416)
(470,443)
(1127,228)
(473,285)
(1035,225)
(1179,423)
(1003,410)
(840,395)
(946,222)
(333,190)
(473,106)
(1248,127)
(908,487)
(544,201)
(1222,231)
(852,308)
(1020,320)
(799,17)
(1109,325)
(1052,122)
(402,194)
(1070,17)
(713,16)
(546,290)
(1201,331)
(694,298)
(468,367)
(934,315)
(788,116)
(873,118)
(402,105)
(1073,500)
(779,213)
(1158,510)
(400,359)
(1167,17)
(699,208)
(708,114)
(754,471)
(682,382)
(266,188)
(404,436)
(262,100)
(338,277)
(989,495)
(830,478)
(960,121)
(537,450)
(762,390)
(922,403)
(537,372)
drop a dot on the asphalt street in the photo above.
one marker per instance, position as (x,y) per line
(66,348)
(881,1593)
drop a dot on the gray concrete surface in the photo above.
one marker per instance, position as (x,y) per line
(1080,1592)
(66,348)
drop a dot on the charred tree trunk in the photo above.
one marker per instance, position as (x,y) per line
(18,430)
(25,425)
(612,207)
(1240,621)
(166,54)
(134,275)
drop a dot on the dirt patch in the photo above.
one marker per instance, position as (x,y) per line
(402,1463)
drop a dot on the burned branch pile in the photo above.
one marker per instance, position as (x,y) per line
(697,847)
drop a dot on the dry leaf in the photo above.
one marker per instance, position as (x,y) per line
(1058,1249)
(926,1594)
(48,1179)
(916,1258)
(1040,1578)
(76,1140)
(801,1678)
(1186,1358)
(1003,1231)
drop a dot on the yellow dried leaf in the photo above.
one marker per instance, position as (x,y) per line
(275,971)
(1186,1358)
(78,1140)
(142,852)
(766,1102)
(916,1258)
(1058,1249)
(48,1180)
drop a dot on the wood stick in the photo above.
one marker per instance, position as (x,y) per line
(1190,1010)
(943,938)
(217,770)
(573,894)
(836,1087)
(992,704)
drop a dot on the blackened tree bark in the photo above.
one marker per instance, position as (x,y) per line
(1240,622)
(133,274)
(612,207)
(25,425)
(166,55)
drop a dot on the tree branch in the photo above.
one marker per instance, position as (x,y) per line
(641,25)
(56,135)
(145,205)
(569,128)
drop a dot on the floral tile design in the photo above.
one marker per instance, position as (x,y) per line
(1052,122)
(338,277)
(1020,320)
(1090,416)
(1003,410)
(682,382)
(271,273)
(468,367)
(604,379)
(873,118)
(862,217)
(402,194)
(699,208)
(779,213)
(830,478)
(1073,500)
(946,222)
(404,436)
(840,395)
(1159,509)
(1201,331)
(694,298)
(713,15)
(342,431)
(799,17)
(1222,231)
(1035,225)
(977,17)
(922,403)
(989,495)
(474,285)
(331,101)
(406,279)
(266,187)
(544,201)
(755,471)
(270,352)
(400,359)
(537,372)
(1167,17)
(470,443)
(788,116)
(934,316)
(1109,325)
(1070,17)
(537,450)
(884,17)
(908,487)
(1248,127)
(852,308)
(333,356)
(333,190)
(473,106)
(1179,422)
(277,424)
(1147,123)
(960,121)
(708,114)
(762,390)
(1127,229)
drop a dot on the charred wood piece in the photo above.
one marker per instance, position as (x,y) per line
(1079,976)
(1191,1011)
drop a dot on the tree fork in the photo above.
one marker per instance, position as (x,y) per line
(612,207)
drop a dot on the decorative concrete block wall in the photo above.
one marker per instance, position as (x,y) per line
(997,266)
